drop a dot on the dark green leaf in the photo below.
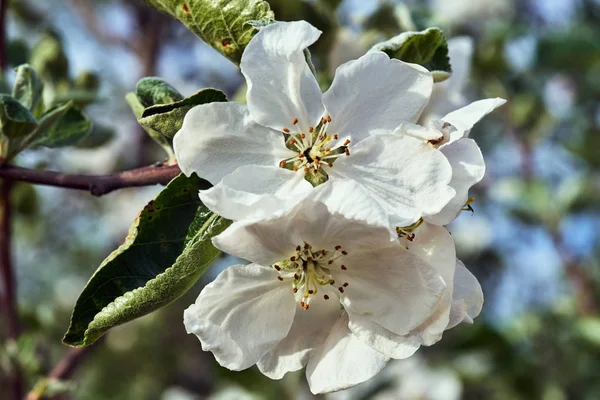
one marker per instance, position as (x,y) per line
(168,248)
(427,48)
(167,119)
(48,58)
(223,24)
(66,129)
(151,91)
(28,87)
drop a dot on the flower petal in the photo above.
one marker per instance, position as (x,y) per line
(264,242)
(218,138)
(407,177)
(468,168)
(309,329)
(393,287)
(241,315)
(342,361)
(467,299)
(374,94)
(386,342)
(464,118)
(281,86)
(255,191)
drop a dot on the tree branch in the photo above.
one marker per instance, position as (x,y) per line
(63,370)
(97,185)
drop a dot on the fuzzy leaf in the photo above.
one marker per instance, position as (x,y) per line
(151,91)
(16,123)
(427,48)
(67,130)
(223,24)
(28,87)
(167,249)
(166,119)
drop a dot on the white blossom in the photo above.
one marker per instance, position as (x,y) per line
(290,134)
(329,290)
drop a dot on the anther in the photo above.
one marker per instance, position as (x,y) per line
(323,121)
(280,278)
(277,267)
(298,248)
(330,164)
(293,141)
(307,246)
(296,276)
(347,151)
(282,164)
(307,170)
(344,267)
(305,306)
(293,258)
(329,118)
(347,142)
(330,262)
(344,252)
(326,297)
(311,292)
(346,284)
(338,247)
(310,129)
(286,130)
(300,155)
(303,135)
(335,136)
(294,121)
(341,289)
(295,290)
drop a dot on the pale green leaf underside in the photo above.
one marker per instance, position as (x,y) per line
(168,248)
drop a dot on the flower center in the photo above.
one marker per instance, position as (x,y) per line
(310,269)
(316,149)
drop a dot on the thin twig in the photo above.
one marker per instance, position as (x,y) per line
(63,370)
(97,185)
(3,54)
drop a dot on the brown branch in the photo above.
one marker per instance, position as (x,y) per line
(63,370)
(97,185)
(3,55)
(8,287)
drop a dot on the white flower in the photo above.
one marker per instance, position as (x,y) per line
(451,136)
(260,153)
(329,291)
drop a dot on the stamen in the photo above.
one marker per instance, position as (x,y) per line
(286,130)
(341,289)
(326,297)
(294,121)
(282,164)
(344,267)
(347,142)
(329,118)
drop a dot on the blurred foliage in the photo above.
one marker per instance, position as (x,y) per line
(538,207)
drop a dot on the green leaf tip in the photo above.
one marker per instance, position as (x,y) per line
(167,119)
(167,249)
(226,25)
(152,90)
(28,87)
(427,48)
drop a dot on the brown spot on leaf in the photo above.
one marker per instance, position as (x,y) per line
(226,42)
(186,8)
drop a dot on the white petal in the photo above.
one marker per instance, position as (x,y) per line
(241,315)
(374,94)
(281,86)
(393,287)
(255,192)
(468,168)
(264,242)
(217,138)
(406,176)
(342,361)
(386,342)
(467,299)
(464,118)
(308,331)
(351,200)
(324,229)
(435,245)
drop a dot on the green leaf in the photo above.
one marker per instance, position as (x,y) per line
(167,119)
(28,87)
(168,248)
(134,103)
(72,127)
(427,48)
(151,91)
(223,24)
(16,123)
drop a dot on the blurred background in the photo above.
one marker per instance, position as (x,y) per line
(532,239)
